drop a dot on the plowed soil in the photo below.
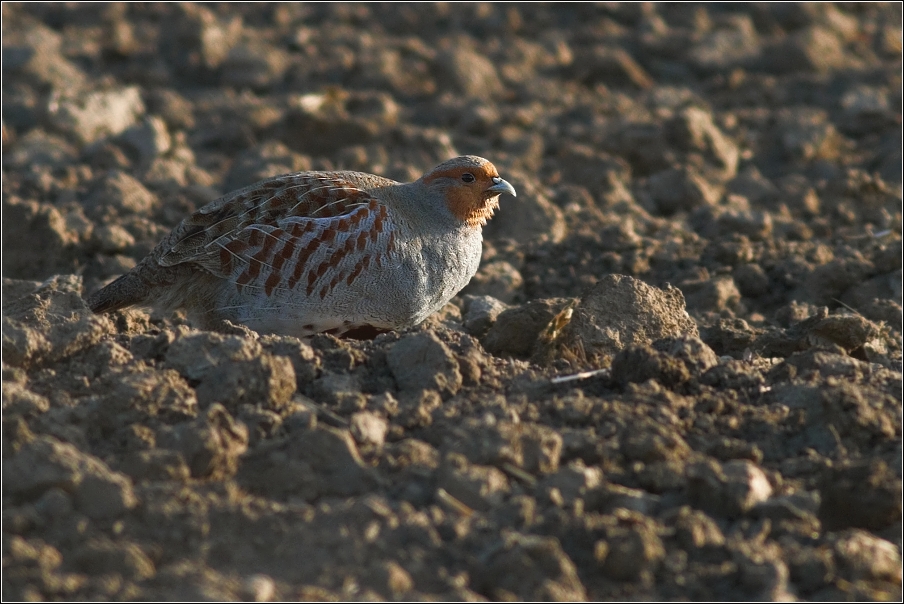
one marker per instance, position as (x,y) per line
(676,375)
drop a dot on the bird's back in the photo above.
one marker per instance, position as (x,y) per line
(254,231)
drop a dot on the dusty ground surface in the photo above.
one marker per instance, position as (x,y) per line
(742,162)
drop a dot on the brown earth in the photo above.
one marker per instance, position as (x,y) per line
(677,374)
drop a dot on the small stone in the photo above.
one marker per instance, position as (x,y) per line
(806,134)
(812,49)
(681,190)
(147,140)
(424,362)
(529,567)
(319,124)
(481,313)
(731,45)
(650,446)
(210,445)
(696,530)
(848,331)
(117,194)
(730,489)
(644,146)
(763,572)
(321,462)
(196,41)
(302,356)
(338,389)
(112,238)
(866,109)
(478,487)
(798,195)
(416,408)
(40,148)
(730,337)
(262,424)
(299,417)
(97,114)
(33,52)
(259,588)
(574,480)
(711,295)
(753,224)
(166,174)
(799,507)
(620,237)
(397,578)
(612,66)
(862,555)
(175,110)
(589,173)
(368,428)
(753,186)
(608,498)
(693,130)
(34,552)
(128,388)
(630,552)
(811,568)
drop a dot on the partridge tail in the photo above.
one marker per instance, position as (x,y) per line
(140,286)
(128,290)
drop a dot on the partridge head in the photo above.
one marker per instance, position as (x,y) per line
(311,252)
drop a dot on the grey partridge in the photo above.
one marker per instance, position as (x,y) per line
(311,252)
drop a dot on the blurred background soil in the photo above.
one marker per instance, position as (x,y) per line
(676,375)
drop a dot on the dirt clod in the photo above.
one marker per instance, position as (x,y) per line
(323,462)
(49,323)
(422,361)
(619,311)
(529,567)
(676,375)
(731,489)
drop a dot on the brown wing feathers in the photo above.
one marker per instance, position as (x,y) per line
(271,236)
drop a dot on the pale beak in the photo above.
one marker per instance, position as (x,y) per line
(501,186)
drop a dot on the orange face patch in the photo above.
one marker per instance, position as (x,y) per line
(473,210)
(467,195)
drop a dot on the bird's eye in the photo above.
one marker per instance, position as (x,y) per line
(467,177)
